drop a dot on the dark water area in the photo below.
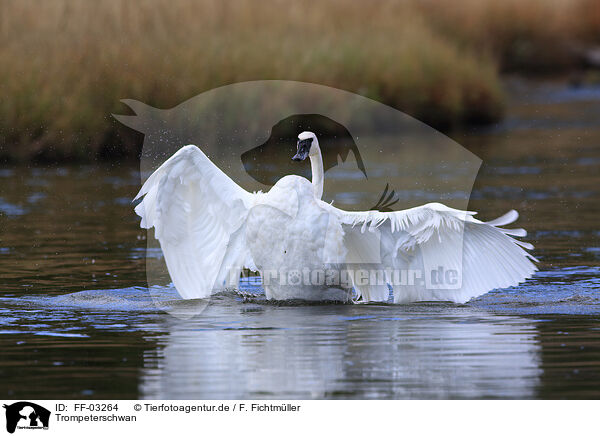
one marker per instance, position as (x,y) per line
(76,320)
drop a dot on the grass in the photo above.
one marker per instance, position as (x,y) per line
(533,36)
(64,65)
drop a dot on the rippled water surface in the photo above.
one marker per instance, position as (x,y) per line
(77,322)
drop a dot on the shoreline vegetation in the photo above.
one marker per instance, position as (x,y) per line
(65,65)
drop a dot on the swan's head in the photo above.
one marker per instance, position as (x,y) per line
(306,145)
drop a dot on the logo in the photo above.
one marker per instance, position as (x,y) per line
(26,415)
(368,156)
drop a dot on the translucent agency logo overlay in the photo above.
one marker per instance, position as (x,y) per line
(374,158)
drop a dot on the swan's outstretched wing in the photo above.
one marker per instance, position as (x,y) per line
(198,214)
(434,253)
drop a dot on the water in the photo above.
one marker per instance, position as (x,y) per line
(77,322)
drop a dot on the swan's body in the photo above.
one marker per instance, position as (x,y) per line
(210,229)
(283,247)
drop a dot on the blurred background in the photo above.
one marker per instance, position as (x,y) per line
(516,82)
(65,65)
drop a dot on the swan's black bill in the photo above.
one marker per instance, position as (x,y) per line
(303,149)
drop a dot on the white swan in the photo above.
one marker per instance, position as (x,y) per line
(209,229)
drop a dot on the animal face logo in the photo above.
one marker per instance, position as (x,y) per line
(373,156)
(26,415)
(250,131)
(335,141)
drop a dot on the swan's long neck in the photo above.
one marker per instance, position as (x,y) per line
(318,175)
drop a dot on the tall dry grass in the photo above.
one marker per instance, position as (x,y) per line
(540,36)
(64,64)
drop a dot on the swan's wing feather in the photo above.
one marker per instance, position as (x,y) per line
(418,242)
(198,214)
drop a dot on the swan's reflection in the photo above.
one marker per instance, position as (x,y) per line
(344,352)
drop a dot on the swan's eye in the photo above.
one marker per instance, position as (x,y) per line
(304,143)
(303,148)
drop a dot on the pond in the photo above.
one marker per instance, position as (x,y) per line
(76,320)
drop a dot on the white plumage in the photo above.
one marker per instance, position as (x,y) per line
(209,229)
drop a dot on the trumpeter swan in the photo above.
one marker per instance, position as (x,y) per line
(209,229)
